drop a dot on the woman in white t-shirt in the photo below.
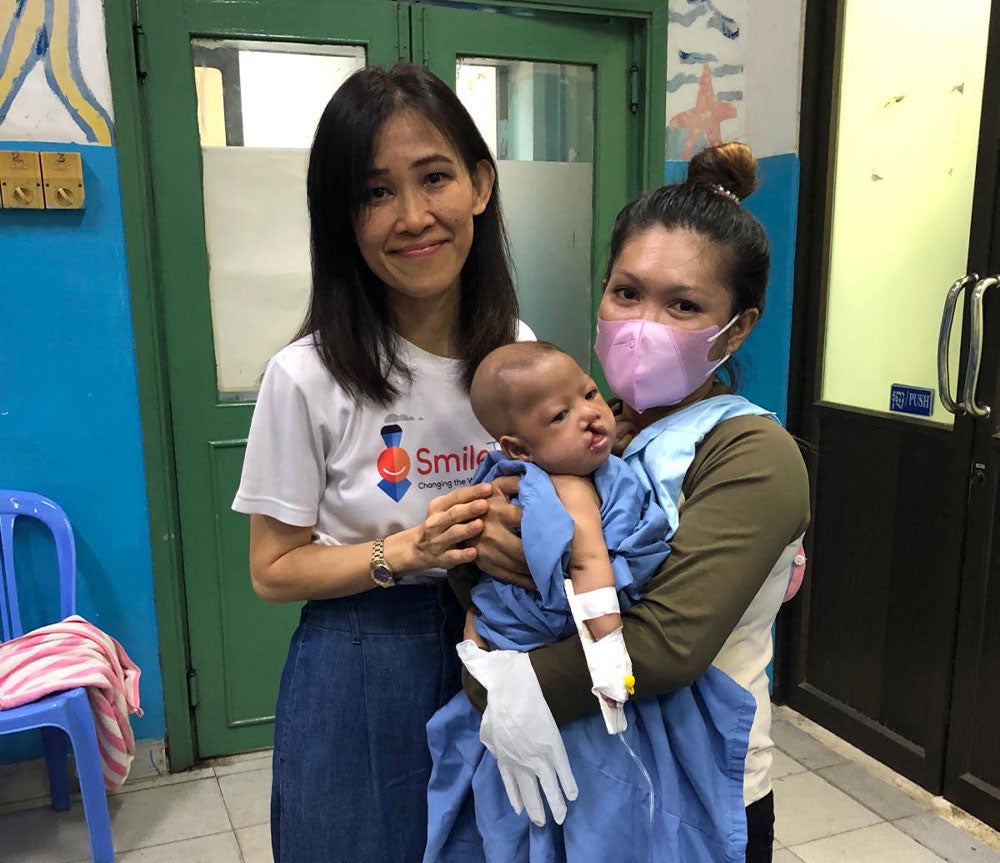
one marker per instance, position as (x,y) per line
(359,457)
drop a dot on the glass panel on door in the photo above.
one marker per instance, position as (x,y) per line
(543,75)
(908,133)
(538,119)
(258,106)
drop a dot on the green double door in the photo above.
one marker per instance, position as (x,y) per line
(232,92)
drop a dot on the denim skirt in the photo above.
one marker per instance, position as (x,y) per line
(364,674)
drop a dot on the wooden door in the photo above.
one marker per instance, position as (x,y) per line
(972,765)
(893,644)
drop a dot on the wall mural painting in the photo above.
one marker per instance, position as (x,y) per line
(705,74)
(54,83)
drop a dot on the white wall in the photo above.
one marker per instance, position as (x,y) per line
(754,52)
(774,76)
(41,111)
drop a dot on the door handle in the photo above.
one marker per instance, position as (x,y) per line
(944,337)
(976,350)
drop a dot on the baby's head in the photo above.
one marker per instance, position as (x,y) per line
(543,408)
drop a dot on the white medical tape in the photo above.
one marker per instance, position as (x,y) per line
(596,603)
(607,650)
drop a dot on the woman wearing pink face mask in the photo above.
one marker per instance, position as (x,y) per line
(684,287)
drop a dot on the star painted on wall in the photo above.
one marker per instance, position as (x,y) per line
(706,117)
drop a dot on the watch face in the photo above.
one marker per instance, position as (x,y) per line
(383,575)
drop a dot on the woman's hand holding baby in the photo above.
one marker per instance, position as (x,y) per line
(443,540)
(471,524)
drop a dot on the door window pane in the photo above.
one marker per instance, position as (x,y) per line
(258,106)
(907,140)
(538,119)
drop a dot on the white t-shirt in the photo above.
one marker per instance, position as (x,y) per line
(316,458)
(745,657)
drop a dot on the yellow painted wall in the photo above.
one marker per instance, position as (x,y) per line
(61,93)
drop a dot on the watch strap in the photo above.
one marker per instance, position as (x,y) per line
(381,572)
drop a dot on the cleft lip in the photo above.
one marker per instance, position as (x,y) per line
(599,436)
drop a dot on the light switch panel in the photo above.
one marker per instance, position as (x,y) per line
(62,177)
(21,180)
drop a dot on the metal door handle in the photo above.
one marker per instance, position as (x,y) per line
(976,350)
(947,316)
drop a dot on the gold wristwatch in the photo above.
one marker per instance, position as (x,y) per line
(382,574)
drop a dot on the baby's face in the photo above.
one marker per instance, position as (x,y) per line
(562,420)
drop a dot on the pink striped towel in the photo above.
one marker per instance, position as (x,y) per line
(67,655)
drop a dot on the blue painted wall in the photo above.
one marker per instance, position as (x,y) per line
(69,416)
(764,357)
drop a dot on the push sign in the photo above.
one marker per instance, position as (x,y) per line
(911,400)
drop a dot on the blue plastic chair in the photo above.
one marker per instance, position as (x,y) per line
(67,711)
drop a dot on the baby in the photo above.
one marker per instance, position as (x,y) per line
(543,408)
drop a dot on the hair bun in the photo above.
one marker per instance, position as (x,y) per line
(731,165)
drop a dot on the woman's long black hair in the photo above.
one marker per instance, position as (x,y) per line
(349,314)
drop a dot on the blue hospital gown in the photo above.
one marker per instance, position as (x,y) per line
(680,799)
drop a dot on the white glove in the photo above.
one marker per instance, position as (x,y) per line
(518,729)
(608,661)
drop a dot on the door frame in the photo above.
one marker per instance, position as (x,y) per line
(124,46)
(823,44)
(961,786)
(153,384)
(818,104)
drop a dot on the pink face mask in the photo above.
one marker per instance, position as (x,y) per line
(655,365)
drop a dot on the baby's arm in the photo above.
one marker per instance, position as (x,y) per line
(589,564)
(470,633)
(590,570)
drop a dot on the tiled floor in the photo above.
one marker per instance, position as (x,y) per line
(833,803)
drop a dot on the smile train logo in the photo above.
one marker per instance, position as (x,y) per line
(393,464)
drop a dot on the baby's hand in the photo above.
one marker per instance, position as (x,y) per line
(611,669)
